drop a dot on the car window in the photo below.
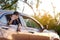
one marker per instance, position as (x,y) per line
(31,23)
(3,20)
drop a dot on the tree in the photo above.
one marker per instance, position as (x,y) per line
(8,4)
(31,6)
(54,10)
(58,16)
(45,19)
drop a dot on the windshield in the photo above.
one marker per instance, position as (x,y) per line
(3,20)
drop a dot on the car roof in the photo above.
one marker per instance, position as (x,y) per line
(5,12)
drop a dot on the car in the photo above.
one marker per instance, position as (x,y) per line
(30,29)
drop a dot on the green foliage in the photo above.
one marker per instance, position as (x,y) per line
(31,23)
(57,29)
(45,19)
(52,24)
(8,4)
(50,21)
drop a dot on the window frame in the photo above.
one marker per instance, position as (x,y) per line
(34,21)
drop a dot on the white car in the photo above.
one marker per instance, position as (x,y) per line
(29,26)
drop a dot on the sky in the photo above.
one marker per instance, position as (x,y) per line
(44,6)
(27,9)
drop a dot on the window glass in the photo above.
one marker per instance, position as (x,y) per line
(31,23)
(3,20)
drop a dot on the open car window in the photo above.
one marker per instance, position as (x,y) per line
(31,23)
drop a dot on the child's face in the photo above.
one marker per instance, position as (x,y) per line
(15,16)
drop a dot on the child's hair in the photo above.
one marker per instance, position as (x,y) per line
(16,13)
